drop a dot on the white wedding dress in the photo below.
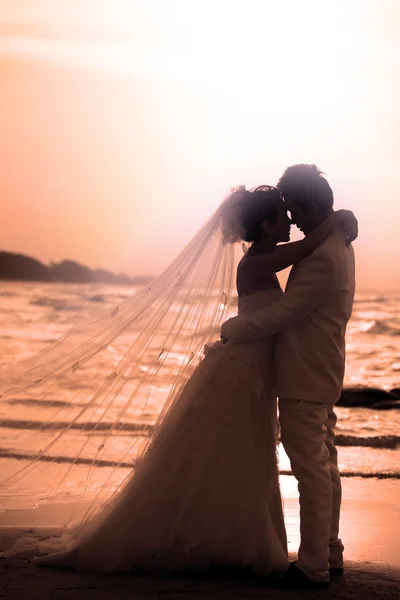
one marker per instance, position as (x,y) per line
(206,493)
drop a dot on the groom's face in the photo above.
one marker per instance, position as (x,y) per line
(299,217)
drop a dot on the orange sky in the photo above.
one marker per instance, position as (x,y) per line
(123,123)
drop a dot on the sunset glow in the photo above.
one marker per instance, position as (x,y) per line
(125,122)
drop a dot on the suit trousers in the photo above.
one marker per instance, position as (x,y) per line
(307,431)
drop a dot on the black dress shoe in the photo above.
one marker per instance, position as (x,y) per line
(333,571)
(336,571)
(296,579)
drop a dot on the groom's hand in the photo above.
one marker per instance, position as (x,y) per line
(228,330)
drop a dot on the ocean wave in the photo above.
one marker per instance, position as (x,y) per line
(96,298)
(373,299)
(7,294)
(101,463)
(376,298)
(382,328)
(364,475)
(51,403)
(380,441)
(86,426)
(56,304)
(65,459)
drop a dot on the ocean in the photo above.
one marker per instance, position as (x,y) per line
(34,314)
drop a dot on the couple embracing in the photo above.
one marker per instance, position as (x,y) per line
(206,493)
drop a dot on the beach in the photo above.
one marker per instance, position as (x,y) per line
(35,314)
(369,527)
(21,580)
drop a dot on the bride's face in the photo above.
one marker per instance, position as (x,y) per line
(281,228)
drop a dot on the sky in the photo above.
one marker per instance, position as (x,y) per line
(124,123)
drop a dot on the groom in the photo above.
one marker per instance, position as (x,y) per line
(311,320)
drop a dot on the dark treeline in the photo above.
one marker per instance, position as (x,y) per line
(18,267)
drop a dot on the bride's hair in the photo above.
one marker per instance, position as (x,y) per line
(244,212)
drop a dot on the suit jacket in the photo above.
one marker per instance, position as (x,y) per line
(311,319)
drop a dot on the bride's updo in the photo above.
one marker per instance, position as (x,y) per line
(244,211)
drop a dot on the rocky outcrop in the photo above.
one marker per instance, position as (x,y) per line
(69,271)
(14,267)
(374,398)
(18,267)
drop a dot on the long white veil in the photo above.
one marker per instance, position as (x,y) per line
(86,405)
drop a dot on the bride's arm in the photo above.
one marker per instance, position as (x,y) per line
(285,255)
(313,284)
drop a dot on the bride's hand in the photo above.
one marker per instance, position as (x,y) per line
(348,223)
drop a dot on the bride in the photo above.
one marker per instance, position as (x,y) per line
(205,494)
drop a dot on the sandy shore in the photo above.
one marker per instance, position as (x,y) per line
(20,581)
(370,526)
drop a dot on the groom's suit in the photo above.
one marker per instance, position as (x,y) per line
(311,320)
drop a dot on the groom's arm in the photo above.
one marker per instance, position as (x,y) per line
(308,290)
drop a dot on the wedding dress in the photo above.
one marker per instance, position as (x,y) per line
(206,492)
(77,416)
(133,452)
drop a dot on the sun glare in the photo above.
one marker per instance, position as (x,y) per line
(200,97)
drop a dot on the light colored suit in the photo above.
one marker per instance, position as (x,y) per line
(311,319)
(310,355)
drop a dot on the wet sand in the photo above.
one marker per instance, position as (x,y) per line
(370,526)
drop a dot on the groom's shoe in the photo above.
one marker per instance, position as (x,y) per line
(336,571)
(296,579)
(333,571)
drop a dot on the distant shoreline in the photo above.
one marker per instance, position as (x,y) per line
(20,267)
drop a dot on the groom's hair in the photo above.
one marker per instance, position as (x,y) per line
(305,185)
